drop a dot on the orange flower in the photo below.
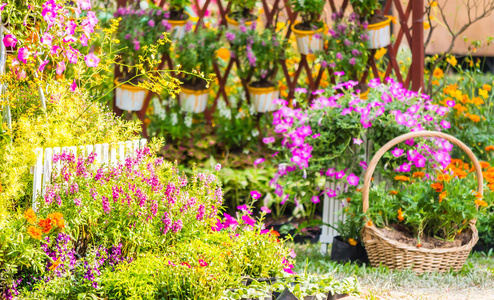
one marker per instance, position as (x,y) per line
(369,223)
(418,174)
(30,216)
(57,219)
(55,264)
(442,196)
(484,165)
(352,242)
(480,202)
(489,148)
(34,232)
(400,215)
(402,178)
(274,232)
(419,245)
(460,173)
(474,118)
(45,225)
(393,192)
(491,186)
(223,53)
(437,186)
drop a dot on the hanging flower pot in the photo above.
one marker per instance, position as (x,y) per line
(308,41)
(379,34)
(129,97)
(235,25)
(178,27)
(263,97)
(194,101)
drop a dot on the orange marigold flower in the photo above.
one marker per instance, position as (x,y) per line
(57,219)
(480,202)
(55,264)
(484,165)
(491,186)
(474,118)
(460,173)
(442,196)
(30,216)
(369,223)
(419,245)
(393,192)
(352,242)
(45,225)
(274,232)
(466,166)
(400,215)
(489,148)
(402,178)
(418,174)
(437,186)
(34,232)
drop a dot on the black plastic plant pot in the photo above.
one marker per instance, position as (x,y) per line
(332,296)
(362,254)
(342,251)
(287,295)
(248,281)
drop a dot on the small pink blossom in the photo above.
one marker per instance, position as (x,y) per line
(60,67)
(357,141)
(43,65)
(315,199)
(397,152)
(352,179)
(248,220)
(73,86)
(91,60)
(259,161)
(445,124)
(255,194)
(217,167)
(265,210)
(268,140)
(9,40)
(23,54)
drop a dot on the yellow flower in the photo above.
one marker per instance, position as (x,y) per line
(452,61)
(279,26)
(34,232)
(438,73)
(435,82)
(483,93)
(427,25)
(30,216)
(434,4)
(480,202)
(487,87)
(352,242)
(380,53)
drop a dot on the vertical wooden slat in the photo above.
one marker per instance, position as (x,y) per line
(56,151)
(135,146)
(128,149)
(105,152)
(47,168)
(97,151)
(113,155)
(121,151)
(73,150)
(89,149)
(38,170)
(143,143)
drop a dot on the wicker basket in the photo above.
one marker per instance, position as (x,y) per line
(396,255)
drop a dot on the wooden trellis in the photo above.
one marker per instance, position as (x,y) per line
(413,34)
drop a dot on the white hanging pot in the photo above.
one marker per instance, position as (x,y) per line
(235,25)
(178,28)
(308,42)
(263,98)
(379,34)
(194,101)
(129,97)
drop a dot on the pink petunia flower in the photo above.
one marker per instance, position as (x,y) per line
(259,161)
(397,152)
(248,220)
(73,86)
(352,179)
(91,60)
(9,40)
(445,124)
(23,54)
(357,141)
(315,199)
(265,210)
(255,194)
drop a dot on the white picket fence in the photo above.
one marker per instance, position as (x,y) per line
(332,206)
(105,154)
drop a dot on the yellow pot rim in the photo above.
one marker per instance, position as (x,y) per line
(128,87)
(179,22)
(304,32)
(237,23)
(261,90)
(195,92)
(380,24)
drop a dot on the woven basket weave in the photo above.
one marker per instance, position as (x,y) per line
(396,255)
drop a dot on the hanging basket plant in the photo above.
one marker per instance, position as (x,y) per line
(376,25)
(241,14)
(308,32)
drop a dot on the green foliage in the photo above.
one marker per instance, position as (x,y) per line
(310,11)
(243,6)
(196,51)
(365,8)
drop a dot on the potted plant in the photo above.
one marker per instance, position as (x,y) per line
(308,33)
(259,54)
(195,52)
(136,31)
(177,18)
(345,53)
(241,14)
(377,25)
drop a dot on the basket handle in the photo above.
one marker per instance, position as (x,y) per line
(407,136)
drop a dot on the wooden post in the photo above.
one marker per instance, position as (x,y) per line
(417,67)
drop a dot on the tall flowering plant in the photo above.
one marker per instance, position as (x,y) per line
(321,142)
(143,202)
(258,52)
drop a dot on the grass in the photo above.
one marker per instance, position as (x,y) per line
(474,281)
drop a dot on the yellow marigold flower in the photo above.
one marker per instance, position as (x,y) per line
(34,232)
(352,242)
(435,82)
(438,73)
(480,202)
(30,216)
(279,26)
(380,53)
(487,87)
(433,4)
(477,101)
(223,53)
(452,61)
(427,25)
(483,93)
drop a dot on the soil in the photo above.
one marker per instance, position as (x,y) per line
(304,27)
(378,17)
(199,84)
(427,242)
(178,15)
(261,84)
(237,16)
